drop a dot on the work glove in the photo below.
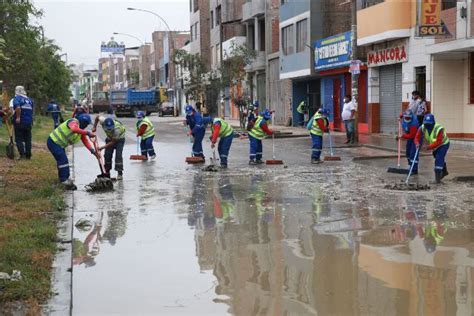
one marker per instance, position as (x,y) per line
(213,145)
(397,138)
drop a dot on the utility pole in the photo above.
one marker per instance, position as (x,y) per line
(354,75)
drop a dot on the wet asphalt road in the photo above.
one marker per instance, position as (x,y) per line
(302,240)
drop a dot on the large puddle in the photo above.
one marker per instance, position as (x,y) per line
(174,240)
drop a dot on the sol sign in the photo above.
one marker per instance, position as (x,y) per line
(387,56)
(430,19)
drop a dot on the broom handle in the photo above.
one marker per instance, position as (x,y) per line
(399,142)
(273,137)
(138,146)
(412,165)
(330,142)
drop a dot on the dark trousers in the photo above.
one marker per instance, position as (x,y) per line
(109,152)
(317,146)
(256,148)
(197,145)
(411,154)
(350,130)
(440,157)
(224,147)
(420,119)
(146,146)
(23,140)
(60,156)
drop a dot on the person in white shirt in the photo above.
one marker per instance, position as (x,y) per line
(348,116)
(414,101)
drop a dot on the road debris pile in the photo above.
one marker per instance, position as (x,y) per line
(211,168)
(402,186)
(101,184)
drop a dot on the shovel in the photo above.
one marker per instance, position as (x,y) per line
(273,161)
(100,160)
(332,157)
(138,156)
(398,169)
(10,148)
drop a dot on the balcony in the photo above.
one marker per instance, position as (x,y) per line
(252,9)
(258,63)
(385,21)
(229,45)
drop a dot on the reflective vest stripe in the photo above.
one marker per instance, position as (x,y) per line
(63,136)
(226,129)
(150,129)
(315,129)
(434,134)
(257,132)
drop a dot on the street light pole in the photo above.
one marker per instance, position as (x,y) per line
(170,39)
(130,35)
(354,75)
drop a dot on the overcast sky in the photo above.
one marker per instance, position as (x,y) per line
(79,26)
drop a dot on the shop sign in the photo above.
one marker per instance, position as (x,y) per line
(354,68)
(333,52)
(430,23)
(387,56)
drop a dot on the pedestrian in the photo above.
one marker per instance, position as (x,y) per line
(80,108)
(437,138)
(54,109)
(421,108)
(146,131)
(410,128)
(22,122)
(302,110)
(196,129)
(348,116)
(414,102)
(115,141)
(258,132)
(69,133)
(317,126)
(252,116)
(221,129)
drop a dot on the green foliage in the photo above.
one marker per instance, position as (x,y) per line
(28,58)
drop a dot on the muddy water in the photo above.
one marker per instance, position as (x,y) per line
(269,241)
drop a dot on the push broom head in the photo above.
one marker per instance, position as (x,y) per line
(332,158)
(274,162)
(398,170)
(195,160)
(138,157)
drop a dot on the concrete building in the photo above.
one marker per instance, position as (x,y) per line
(200,30)
(144,66)
(131,67)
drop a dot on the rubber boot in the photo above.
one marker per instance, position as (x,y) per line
(445,171)
(438,176)
(69,185)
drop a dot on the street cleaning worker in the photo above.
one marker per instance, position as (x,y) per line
(54,109)
(258,132)
(22,122)
(252,116)
(302,110)
(221,129)
(410,128)
(115,141)
(197,130)
(317,126)
(146,131)
(69,133)
(438,142)
(80,108)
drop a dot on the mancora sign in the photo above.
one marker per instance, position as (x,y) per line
(387,56)
(430,19)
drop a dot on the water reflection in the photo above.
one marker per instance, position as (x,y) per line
(274,254)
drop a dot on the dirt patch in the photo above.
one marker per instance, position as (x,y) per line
(402,186)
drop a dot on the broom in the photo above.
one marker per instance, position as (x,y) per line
(273,161)
(10,149)
(138,156)
(332,157)
(191,159)
(398,169)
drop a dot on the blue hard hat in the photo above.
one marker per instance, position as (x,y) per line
(324,111)
(189,109)
(256,104)
(140,114)
(84,119)
(429,119)
(109,124)
(266,114)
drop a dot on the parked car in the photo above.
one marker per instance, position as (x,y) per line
(100,102)
(166,108)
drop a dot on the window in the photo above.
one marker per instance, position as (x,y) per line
(471,79)
(195,5)
(369,3)
(420,80)
(301,35)
(196,28)
(284,1)
(261,29)
(192,32)
(287,40)
(448,4)
(218,54)
(212,19)
(218,15)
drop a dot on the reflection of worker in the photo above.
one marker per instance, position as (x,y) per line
(432,234)
(197,130)
(256,135)
(438,142)
(85,252)
(221,129)
(146,131)
(320,124)
(410,128)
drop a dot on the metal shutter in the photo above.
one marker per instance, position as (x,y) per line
(390,97)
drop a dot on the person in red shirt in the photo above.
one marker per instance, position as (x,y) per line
(410,128)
